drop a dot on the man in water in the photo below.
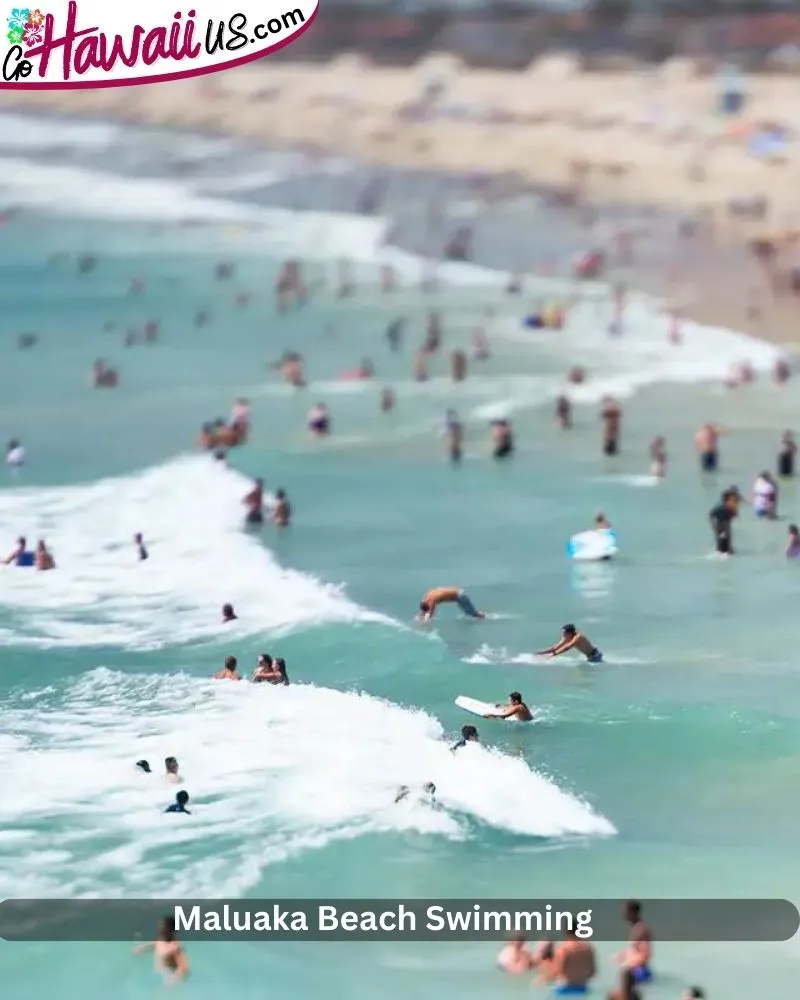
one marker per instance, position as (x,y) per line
(515,958)
(171,771)
(282,512)
(179,805)
(254,502)
(571,638)
(144,766)
(572,966)
(601,522)
(516,709)
(141,548)
(446,595)
(793,546)
(229,671)
(20,550)
(228,614)
(170,958)
(469,734)
(453,431)
(721,518)
(706,443)
(639,953)
(611,417)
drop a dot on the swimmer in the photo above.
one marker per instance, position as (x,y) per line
(793,546)
(453,432)
(240,416)
(171,771)
(446,595)
(263,668)
(144,765)
(254,502)
(627,987)
(15,455)
(44,557)
(516,709)
(229,671)
(563,413)
(228,614)
(611,417)
(274,673)
(721,517)
(502,439)
(19,551)
(658,457)
(515,957)
(318,420)
(282,512)
(572,966)
(706,443)
(427,797)
(571,638)
(141,549)
(786,455)
(765,497)
(179,805)
(469,734)
(387,400)
(394,334)
(639,953)
(170,958)
(601,523)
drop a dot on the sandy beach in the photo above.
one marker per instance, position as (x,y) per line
(646,137)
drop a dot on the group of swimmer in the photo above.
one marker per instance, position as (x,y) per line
(43,559)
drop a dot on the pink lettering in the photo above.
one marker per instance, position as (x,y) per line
(155,46)
(65,42)
(107,60)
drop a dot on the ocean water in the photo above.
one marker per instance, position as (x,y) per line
(668,771)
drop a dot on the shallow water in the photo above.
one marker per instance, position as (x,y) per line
(663,772)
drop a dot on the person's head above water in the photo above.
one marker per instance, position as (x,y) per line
(429,788)
(280,666)
(143,766)
(568,630)
(228,614)
(794,531)
(469,733)
(425,607)
(182,798)
(230,663)
(264,660)
(171,765)
(22,542)
(515,698)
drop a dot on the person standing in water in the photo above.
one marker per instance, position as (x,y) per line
(454,436)
(765,497)
(229,671)
(15,455)
(282,512)
(44,557)
(658,457)
(171,771)
(254,502)
(572,966)
(611,417)
(515,957)
(786,455)
(793,546)
(141,548)
(447,595)
(516,709)
(721,518)
(170,958)
(571,638)
(563,413)
(706,443)
(639,953)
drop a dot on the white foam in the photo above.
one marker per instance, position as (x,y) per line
(21,132)
(191,515)
(263,782)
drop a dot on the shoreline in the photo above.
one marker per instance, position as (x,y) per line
(710,277)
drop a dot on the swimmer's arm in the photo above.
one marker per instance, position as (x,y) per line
(142,949)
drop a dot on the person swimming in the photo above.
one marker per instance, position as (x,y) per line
(171,771)
(20,555)
(446,595)
(229,671)
(601,522)
(427,797)
(516,709)
(263,668)
(515,957)
(319,420)
(144,765)
(453,431)
(271,671)
(571,638)
(502,439)
(469,734)
(170,958)
(793,548)
(228,614)
(179,805)
(44,557)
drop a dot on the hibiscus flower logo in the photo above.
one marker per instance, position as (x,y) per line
(33,34)
(17,19)
(36,17)
(15,36)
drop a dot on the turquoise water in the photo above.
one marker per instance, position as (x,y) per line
(668,771)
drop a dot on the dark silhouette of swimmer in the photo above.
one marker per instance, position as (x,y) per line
(143,766)
(254,502)
(141,548)
(179,805)
(469,734)
(228,614)
(428,789)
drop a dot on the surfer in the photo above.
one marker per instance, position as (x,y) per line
(254,502)
(571,638)
(516,709)
(179,805)
(170,958)
(469,734)
(228,614)
(446,595)
(515,957)
(229,671)
(639,953)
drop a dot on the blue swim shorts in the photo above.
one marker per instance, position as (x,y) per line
(466,605)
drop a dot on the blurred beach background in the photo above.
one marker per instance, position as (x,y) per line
(520,139)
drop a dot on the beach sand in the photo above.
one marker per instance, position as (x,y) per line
(647,138)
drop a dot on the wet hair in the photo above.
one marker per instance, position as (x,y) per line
(182,798)
(569,629)
(633,910)
(696,993)
(171,763)
(143,765)
(166,929)
(280,494)
(21,540)
(227,609)
(515,696)
(793,529)
(429,787)
(424,606)
(267,659)
(469,732)
(280,665)
(230,662)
